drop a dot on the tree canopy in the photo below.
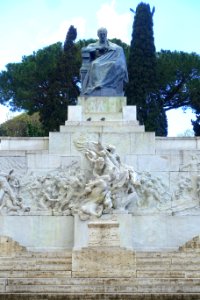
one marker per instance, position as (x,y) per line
(179,82)
(160,81)
(179,75)
(43,82)
(22,125)
(47,81)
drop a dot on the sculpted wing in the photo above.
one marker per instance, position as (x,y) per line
(83,145)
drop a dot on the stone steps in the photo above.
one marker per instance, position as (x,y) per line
(109,286)
(36,265)
(35,274)
(29,254)
(168,254)
(28,267)
(33,261)
(168,263)
(99,296)
(102,126)
(168,274)
(148,272)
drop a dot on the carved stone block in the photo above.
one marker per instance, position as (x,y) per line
(103,233)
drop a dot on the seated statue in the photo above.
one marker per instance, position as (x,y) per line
(103,71)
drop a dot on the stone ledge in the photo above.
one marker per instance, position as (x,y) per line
(99,296)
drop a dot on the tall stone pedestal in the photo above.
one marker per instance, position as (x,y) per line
(107,119)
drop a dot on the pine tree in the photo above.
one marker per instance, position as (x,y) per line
(44,82)
(142,88)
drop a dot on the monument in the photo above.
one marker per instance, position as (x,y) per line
(103,71)
(100,209)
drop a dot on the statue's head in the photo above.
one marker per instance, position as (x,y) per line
(102,34)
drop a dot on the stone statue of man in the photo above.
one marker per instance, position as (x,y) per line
(103,71)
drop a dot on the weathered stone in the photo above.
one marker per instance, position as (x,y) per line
(161,223)
(9,247)
(104,233)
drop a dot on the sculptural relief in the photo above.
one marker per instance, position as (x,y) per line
(116,179)
(198,186)
(9,193)
(106,186)
(153,195)
(192,164)
(18,164)
(185,194)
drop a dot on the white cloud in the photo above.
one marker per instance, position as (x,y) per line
(179,121)
(60,33)
(118,25)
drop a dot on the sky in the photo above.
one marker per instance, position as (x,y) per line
(29,25)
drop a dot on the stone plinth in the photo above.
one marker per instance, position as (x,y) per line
(85,236)
(103,262)
(103,257)
(102,109)
(102,104)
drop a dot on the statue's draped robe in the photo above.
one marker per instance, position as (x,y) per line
(107,72)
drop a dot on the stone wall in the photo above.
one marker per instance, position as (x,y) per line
(163,216)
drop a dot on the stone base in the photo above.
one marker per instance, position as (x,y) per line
(111,230)
(96,262)
(102,109)
(98,296)
(103,257)
(101,273)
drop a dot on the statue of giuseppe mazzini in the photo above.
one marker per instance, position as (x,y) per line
(103,71)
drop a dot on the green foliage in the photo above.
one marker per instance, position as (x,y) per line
(22,125)
(196,124)
(179,75)
(162,81)
(142,89)
(70,66)
(179,82)
(70,38)
(46,81)
(84,43)
(142,58)
(43,82)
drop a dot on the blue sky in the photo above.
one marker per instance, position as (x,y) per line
(28,25)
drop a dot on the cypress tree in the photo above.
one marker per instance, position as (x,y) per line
(71,65)
(70,38)
(142,88)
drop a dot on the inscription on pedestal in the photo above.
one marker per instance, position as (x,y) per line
(104,233)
